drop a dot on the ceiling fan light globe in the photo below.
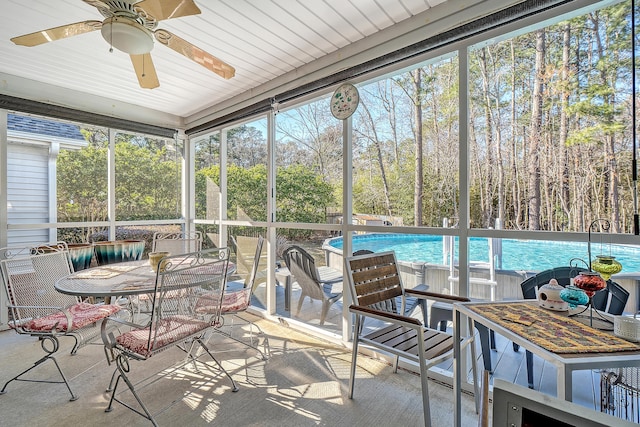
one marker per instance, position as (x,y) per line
(127,36)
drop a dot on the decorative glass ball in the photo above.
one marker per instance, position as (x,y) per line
(606,266)
(590,282)
(574,296)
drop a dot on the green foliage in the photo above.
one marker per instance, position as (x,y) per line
(247,192)
(82,184)
(148,183)
(593,134)
(147,180)
(302,196)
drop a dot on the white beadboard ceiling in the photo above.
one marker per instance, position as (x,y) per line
(266,41)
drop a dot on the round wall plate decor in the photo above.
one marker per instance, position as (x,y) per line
(344,101)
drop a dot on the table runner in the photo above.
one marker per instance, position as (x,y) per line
(551,331)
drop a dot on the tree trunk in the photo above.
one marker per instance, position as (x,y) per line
(383,174)
(610,196)
(565,201)
(535,134)
(487,208)
(417,114)
(515,184)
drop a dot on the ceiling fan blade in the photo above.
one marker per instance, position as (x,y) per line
(97,3)
(167,9)
(194,53)
(57,33)
(145,71)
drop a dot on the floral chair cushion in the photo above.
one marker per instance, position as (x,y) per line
(170,330)
(232,302)
(82,314)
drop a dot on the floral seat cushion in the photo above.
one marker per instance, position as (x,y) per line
(231,302)
(169,330)
(82,314)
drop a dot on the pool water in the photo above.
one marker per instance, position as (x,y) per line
(530,255)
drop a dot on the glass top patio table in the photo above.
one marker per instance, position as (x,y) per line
(120,279)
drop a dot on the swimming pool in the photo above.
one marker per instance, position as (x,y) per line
(531,255)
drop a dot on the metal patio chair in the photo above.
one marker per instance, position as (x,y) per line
(177,243)
(37,309)
(174,322)
(374,280)
(236,301)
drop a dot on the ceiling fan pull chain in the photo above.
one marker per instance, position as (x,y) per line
(143,75)
(111,39)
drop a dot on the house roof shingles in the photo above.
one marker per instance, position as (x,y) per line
(43,127)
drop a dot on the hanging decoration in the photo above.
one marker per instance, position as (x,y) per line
(599,270)
(344,101)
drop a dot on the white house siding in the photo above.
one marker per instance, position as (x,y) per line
(27,191)
(32,148)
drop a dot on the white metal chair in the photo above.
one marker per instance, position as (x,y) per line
(236,301)
(37,309)
(174,322)
(374,280)
(177,243)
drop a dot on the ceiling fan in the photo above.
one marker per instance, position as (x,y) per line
(130,26)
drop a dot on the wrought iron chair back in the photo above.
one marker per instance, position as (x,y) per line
(29,275)
(236,301)
(30,279)
(177,243)
(174,322)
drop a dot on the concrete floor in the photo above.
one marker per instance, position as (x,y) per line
(507,364)
(303,383)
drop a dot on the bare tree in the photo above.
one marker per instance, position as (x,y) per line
(565,201)
(535,133)
(372,136)
(416,79)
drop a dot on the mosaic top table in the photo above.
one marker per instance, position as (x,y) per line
(565,342)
